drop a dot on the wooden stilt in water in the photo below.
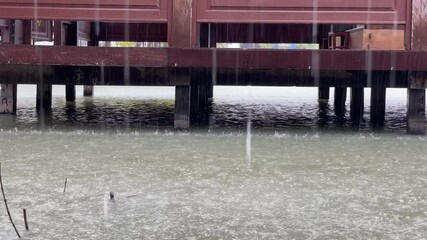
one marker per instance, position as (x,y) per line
(65,185)
(182,107)
(44,96)
(416,104)
(357,105)
(25,220)
(323,94)
(70,93)
(199,105)
(340,98)
(88,90)
(378,100)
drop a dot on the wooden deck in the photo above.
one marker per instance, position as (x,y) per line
(192,63)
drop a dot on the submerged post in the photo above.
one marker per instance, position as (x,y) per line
(416,105)
(200,92)
(323,94)
(340,97)
(357,105)
(378,100)
(44,96)
(26,220)
(182,107)
(88,90)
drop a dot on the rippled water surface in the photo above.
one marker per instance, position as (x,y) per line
(307,175)
(142,108)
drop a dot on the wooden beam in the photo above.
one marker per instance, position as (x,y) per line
(182,29)
(225,58)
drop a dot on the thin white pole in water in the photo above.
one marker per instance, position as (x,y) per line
(248,132)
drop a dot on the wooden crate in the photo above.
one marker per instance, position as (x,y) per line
(377,39)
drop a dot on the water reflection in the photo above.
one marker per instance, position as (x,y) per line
(152,108)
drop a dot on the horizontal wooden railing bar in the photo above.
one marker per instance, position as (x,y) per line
(215,58)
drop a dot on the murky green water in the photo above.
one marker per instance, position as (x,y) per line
(293,180)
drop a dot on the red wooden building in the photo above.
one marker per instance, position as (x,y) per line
(362,43)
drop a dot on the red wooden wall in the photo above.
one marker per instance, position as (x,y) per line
(224,11)
(81,10)
(303,11)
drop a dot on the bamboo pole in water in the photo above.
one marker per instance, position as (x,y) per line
(65,185)
(7,207)
(25,219)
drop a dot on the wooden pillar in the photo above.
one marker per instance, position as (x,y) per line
(324,94)
(182,107)
(340,97)
(378,100)
(199,106)
(88,90)
(416,118)
(416,104)
(8,98)
(66,34)
(94,42)
(357,105)
(70,93)
(44,96)
(181,34)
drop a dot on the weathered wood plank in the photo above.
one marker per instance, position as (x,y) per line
(225,58)
(303,11)
(419,25)
(86,10)
(83,56)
